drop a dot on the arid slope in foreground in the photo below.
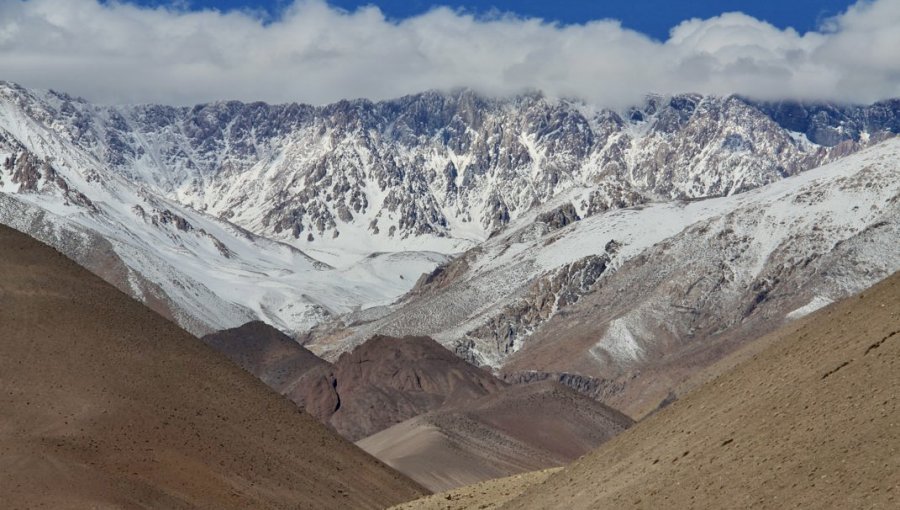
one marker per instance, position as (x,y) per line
(811,422)
(106,404)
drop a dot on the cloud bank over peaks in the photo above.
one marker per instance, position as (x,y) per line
(120,53)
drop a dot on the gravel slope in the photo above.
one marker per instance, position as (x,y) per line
(486,495)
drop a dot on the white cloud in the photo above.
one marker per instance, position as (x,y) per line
(314,53)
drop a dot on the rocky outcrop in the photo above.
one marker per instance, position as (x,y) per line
(559,217)
(607,195)
(37,175)
(563,287)
(443,275)
(601,390)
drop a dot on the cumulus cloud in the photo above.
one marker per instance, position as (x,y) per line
(121,53)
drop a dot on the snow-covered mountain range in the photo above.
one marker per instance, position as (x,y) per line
(521,211)
(639,297)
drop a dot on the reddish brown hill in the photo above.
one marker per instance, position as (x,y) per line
(388,380)
(107,405)
(380,383)
(435,417)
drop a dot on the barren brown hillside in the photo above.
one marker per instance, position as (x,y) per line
(107,405)
(517,429)
(811,422)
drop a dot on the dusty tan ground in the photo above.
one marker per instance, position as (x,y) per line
(104,404)
(518,429)
(484,496)
(811,422)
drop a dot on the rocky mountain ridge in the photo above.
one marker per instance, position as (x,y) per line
(445,165)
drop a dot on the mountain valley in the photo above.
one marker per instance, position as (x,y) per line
(424,411)
(464,287)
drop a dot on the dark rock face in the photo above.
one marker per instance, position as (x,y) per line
(606,196)
(598,389)
(443,275)
(560,217)
(167,217)
(34,174)
(830,125)
(26,172)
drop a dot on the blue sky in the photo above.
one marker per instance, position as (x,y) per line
(652,17)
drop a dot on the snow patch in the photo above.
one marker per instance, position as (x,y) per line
(620,341)
(815,304)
